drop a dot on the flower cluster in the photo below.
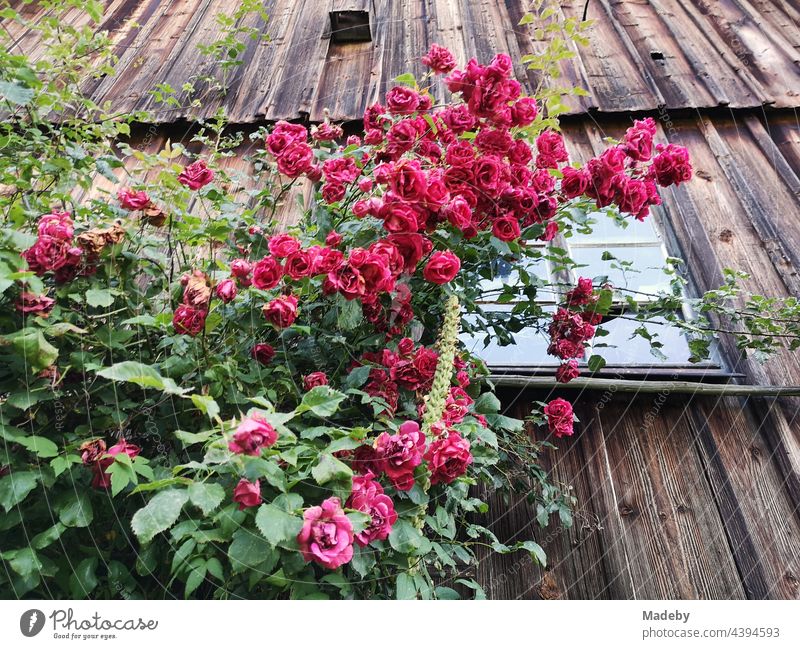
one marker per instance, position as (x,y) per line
(572,328)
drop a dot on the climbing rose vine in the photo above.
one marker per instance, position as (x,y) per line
(290,413)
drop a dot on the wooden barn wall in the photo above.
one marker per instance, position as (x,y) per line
(642,55)
(677,498)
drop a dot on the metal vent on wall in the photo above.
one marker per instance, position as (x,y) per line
(350,22)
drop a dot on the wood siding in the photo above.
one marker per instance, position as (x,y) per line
(642,54)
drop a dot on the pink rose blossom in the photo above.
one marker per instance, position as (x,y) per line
(327,535)
(253,434)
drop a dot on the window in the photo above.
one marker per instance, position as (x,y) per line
(632,259)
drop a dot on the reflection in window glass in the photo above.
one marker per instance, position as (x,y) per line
(625,348)
(645,273)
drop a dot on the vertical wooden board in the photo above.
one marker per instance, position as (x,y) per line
(758,513)
(299,63)
(675,541)
(768,55)
(585,561)
(679,83)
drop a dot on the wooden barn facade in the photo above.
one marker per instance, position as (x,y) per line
(683,492)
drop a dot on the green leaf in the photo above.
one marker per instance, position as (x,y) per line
(596,363)
(30,343)
(24,561)
(15,487)
(359,520)
(405,586)
(206,496)
(42,446)
(48,537)
(75,509)
(159,514)
(99,297)
(278,527)
(405,538)
(206,405)
(487,403)
(329,468)
(140,374)
(443,592)
(15,93)
(83,579)
(249,551)
(322,400)
(536,550)
(406,79)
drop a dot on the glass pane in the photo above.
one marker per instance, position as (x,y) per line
(530,348)
(635,350)
(606,230)
(646,274)
(504,275)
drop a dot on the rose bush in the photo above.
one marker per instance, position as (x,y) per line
(197,404)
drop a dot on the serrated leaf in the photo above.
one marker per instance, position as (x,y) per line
(329,468)
(15,487)
(99,297)
(75,509)
(140,374)
(207,496)
(159,514)
(277,526)
(322,400)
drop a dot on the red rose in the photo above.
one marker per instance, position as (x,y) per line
(408,181)
(368,497)
(327,260)
(346,280)
(196,175)
(315,379)
(282,311)
(402,100)
(283,245)
(411,247)
(401,453)
(226,290)
(263,353)
(550,146)
(296,159)
(32,303)
(188,320)
(671,166)
(57,225)
(333,192)
(442,267)
(133,200)
(241,268)
(247,494)
(439,59)
(488,175)
(253,434)
(567,371)
(506,228)
(574,182)
(285,134)
(524,111)
(638,141)
(333,239)
(299,264)
(327,535)
(267,273)
(448,458)
(399,216)
(559,417)
(341,170)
